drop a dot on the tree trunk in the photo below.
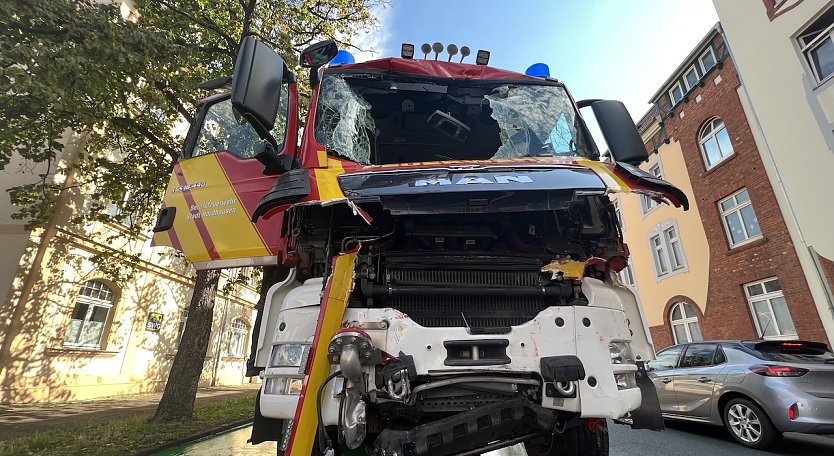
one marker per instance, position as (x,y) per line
(177,403)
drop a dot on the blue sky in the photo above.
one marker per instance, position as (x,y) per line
(616,49)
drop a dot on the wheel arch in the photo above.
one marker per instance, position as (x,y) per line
(730,395)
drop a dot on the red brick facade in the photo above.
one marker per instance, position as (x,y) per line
(727,314)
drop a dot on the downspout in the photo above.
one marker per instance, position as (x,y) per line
(794,219)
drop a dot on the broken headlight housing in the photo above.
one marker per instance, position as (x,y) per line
(621,353)
(288,355)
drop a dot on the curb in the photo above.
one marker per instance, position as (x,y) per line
(195,438)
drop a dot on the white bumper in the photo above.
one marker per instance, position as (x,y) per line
(585,332)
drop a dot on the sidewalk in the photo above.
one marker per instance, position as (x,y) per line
(20,420)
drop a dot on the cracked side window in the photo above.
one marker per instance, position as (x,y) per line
(535,121)
(224,129)
(344,123)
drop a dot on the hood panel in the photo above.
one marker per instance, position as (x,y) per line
(449,180)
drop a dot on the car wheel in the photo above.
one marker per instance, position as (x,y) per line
(749,425)
(576,441)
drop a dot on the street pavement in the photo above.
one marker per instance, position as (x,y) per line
(679,439)
(684,439)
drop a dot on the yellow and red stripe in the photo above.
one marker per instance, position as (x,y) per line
(333,305)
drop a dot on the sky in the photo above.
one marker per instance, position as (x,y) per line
(614,49)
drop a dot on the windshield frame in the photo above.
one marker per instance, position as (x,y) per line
(592,151)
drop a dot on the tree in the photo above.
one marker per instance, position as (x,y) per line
(127,78)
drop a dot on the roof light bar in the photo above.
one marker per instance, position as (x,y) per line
(437,47)
(451,49)
(425,48)
(407,51)
(464,52)
(482,58)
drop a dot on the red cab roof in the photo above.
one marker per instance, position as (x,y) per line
(436,68)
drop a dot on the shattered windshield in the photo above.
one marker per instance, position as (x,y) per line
(381,119)
(535,121)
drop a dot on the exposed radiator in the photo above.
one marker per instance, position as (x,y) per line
(480,311)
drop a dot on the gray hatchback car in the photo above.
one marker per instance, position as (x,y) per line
(756,389)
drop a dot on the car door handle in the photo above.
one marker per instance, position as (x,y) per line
(666,380)
(704,379)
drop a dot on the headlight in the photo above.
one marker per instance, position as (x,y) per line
(294,386)
(283,385)
(288,355)
(625,380)
(621,353)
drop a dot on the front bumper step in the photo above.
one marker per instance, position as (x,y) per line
(500,421)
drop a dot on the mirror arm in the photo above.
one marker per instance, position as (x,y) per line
(585,103)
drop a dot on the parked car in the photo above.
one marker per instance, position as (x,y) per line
(756,389)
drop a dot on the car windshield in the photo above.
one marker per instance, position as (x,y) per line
(380,119)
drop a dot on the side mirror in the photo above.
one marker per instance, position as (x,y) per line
(619,131)
(256,85)
(318,54)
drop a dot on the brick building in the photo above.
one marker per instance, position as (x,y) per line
(734,272)
(784,53)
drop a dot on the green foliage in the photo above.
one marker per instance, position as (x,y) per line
(128,83)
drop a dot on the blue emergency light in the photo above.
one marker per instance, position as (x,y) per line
(343,58)
(539,70)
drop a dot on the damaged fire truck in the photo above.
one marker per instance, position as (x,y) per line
(451,248)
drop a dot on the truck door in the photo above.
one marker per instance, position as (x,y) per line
(217,184)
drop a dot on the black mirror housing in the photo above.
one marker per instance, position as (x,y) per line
(256,85)
(318,54)
(619,131)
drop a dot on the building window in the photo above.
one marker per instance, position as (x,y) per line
(772,317)
(690,78)
(659,254)
(676,93)
(181,327)
(646,202)
(115,212)
(740,222)
(817,46)
(667,250)
(715,142)
(675,250)
(707,60)
(618,212)
(237,338)
(685,325)
(627,275)
(90,315)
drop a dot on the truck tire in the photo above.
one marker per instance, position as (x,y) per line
(576,441)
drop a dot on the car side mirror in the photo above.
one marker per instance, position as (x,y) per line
(256,85)
(619,131)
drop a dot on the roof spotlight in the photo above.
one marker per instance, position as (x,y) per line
(437,48)
(452,50)
(425,48)
(464,52)
(407,51)
(482,58)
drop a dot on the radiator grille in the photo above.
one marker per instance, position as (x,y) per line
(480,311)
